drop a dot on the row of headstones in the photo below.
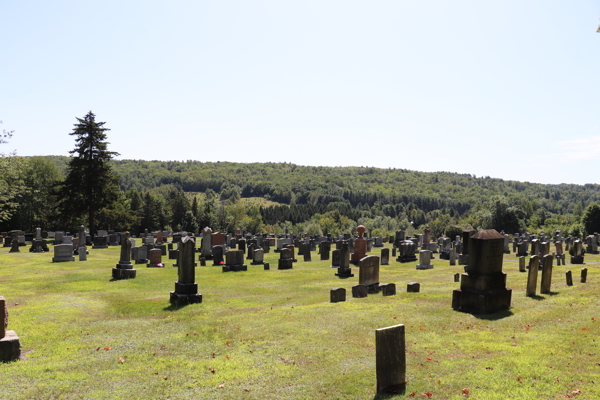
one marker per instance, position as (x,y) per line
(546,266)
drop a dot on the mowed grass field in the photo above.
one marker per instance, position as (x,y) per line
(274,335)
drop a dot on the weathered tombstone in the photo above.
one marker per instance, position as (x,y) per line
(10,344)
(207,243)
(569,278)
(162,248)
(385,256)
(324,249)
(522,264)
(63,253)
(141,255)
(393,251)
(546,274)
(242,245)
(344,270)
(407,251)
(360,246)
(234,261)
(58,237)
(456,277)
(217,252)
(388,289)
(359,291)
(452,255)
(159,238)
(250,251)
(483,286)
(390,363)
(369,273)
(286,260)
(378,242)
(583,275)
(258,257)
(463,258)
(155,259)
(82,254)
(337,295)
(14,244)
(413,287)
(293,250)
(424,260)
(307,253)
(534,263)
(577,252)
(124,269)
(186,288)
(100,242)
(335,258)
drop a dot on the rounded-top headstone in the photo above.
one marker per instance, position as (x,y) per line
(361,230)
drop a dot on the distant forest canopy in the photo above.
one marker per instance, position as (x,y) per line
(336,199)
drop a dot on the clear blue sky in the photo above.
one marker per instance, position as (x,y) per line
(509,89)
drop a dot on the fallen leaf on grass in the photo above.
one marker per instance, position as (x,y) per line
(121,360)
(465,392)
(107,348)
(247,390)
(519,378)
(576,391)
(422,328)
(221,386)
(584,329)
(426,394)
(413,394)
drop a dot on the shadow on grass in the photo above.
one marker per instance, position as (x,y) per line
(537,297)
(174,307)
(495,316)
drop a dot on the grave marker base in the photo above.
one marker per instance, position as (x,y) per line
(10,347)
(123,273)
(235,268)
(577,260)
(179,300)
(481,302)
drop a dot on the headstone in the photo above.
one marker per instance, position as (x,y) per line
(385,256)
(10,345)
(457,277)
(100,242)
(577,252)
(452,255)
(141,255)
(82,254)
(250,250)
(463,258)
(378,242)
(335,259)
(522,264)
(583,275)
(324,249)
(393,251)
(337,295)
(390,363)
(413,287)
(63,253)
(569,278)
(407,251)
(124,269)
(207,243)
(534,263)
(186,288)
(155,259)
(424,260)
(546,274)
(506,248)
(388,289)
(359,291)
(369,273)
(258,257)
(234,261)
(307,253)
(343,258)
(286,259)
(58,237)
(483,286)
(218,252)
(242,245)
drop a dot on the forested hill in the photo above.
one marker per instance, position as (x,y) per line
(353,186)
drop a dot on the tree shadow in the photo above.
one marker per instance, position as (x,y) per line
(494,316)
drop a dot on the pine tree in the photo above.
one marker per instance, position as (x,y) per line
(90,184)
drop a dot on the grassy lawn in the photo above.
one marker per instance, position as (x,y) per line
(274,335)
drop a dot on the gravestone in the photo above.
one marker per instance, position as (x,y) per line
(100,242)
(413,287)
(324,249)
(343,258)
(534,264)
(242,245)
(390,359)
(456,277)
(369,273)
(359,291)
(234,261)
(155,259)
(186,288)
(337,295)
(207,243)
(258,257)
(251,247)
(393,251)
(583,275)
(407,251)
(218,252)
(141,255)
(286,260)
(522,264)
(293,250)
(385,256)
(483,286)
(506,248)
(452,255)
(335,259)
(63,253)
(388,289)
(10,345)
(58,237)
(546,274)
(463,258)
(307,254)
(360,246)
(569,278)
(424,260)
(83,254)
(576,252)
(124,269)
(378,242)
(14,244)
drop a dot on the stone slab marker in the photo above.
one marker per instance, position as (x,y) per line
(413,287)
(390,359)
(369,273)
(424,260)
(385,256)
(569,278)
(124,269)
(522,264)
(186,288)
(483,286)
(337,294)
(546,274)
(456,277)
(10,345)
(534,263)
(63,253)
(583,275)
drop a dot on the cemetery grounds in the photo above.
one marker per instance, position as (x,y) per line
(274,335)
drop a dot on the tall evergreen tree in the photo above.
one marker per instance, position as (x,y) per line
(90,184)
